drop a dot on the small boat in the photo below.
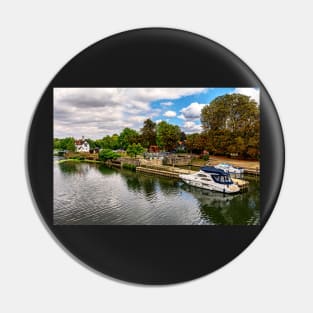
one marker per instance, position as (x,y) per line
(211,178)
(228,168)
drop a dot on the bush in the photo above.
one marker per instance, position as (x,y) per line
(107,154)
(135,149)
(128,166)
(205,157)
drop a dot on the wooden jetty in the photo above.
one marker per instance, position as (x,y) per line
(156,172)
(169,171)
(163,170)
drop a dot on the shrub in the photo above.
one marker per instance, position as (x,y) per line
(205,157)
(128,166)
(107,154)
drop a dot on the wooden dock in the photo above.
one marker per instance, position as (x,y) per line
(157,172)
(241,183)
(163,170)
(173,172)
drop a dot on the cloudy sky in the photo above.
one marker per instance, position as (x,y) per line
(97,112)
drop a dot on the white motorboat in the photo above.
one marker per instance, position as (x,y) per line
(211,178)
(228,168)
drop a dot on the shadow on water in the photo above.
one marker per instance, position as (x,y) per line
(70,167)
(90,193)
(105,170)
(137,182)
(224,209)
(133,181)
(150,184)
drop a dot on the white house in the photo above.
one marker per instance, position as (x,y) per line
(82,145)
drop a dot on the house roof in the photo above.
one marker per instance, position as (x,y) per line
(80,142)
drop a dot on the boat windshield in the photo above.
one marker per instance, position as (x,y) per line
(222,179)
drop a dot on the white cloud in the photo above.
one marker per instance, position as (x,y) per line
(181,116)
(152,94)
(170,114)
(254,93)
(96,112)
(192,111)
(167,104)
(191,127)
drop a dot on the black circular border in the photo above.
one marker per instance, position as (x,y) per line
(154,57)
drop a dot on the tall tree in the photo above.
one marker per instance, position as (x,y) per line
(107,154)
(92,143)
(232,125)
(134,149)
(195,143)
(109,142)
(67,143)
(167,135)
(148,133)
(127,137)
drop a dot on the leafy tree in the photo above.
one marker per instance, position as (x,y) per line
(148,133)
(183,136)
(107,154)
(231,124)
(115,144)
(67,143)
(167,135)
(99,143)
(71,145)
(110,142)
(127,137)
(92,143)
(195,143)
(134,149)
(56,143)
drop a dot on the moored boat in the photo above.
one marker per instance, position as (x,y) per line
(228,168)
(211,178)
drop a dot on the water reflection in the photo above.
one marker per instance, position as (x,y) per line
(89,194)
(225,209)
(105,170)
(70,167)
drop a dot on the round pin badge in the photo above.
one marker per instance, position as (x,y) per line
(155,156)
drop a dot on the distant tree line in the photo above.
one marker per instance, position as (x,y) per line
(230,123)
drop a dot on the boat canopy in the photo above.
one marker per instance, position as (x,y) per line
(213,170)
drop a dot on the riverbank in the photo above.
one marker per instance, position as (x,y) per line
(80,161)
(95,194)
(249,166)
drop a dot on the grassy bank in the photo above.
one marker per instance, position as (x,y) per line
(79,161)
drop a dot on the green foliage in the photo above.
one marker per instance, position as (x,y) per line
(107,154)
(134,149)
(99,143)
(195,143)
(127,137)
(128,166)
(231,124)
(167,135)
(183,136)
(57,143)
(92,143)
(148,133)
(206,157)
(109,142)
(67,143)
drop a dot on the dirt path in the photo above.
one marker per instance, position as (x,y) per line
(214,160)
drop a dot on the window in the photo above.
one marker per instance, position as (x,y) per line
(221,179)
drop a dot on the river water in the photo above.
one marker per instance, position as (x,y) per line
(93,194)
